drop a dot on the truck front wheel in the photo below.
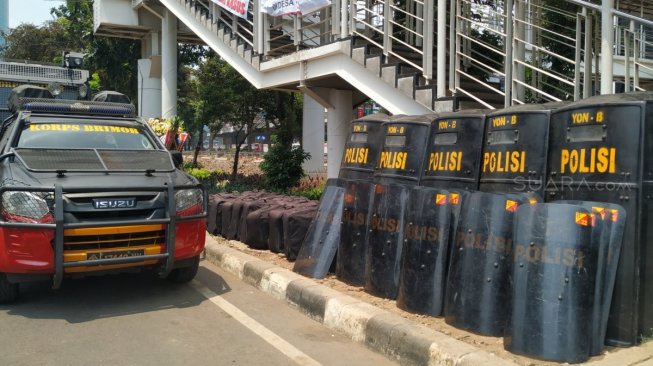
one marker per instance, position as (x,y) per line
(8,290)
(185,274)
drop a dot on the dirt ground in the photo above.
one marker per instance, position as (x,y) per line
(248,164)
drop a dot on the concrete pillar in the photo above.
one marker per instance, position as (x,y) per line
(169,65)
(338,119)
(313,135)
(607,43)
(149,89)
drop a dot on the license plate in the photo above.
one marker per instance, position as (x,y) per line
(117,254)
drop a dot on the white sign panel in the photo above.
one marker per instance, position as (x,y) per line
(280,7)
(286,7)
(238,7)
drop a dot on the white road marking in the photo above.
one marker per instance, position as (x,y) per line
(257,328)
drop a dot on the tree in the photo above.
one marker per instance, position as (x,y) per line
(34,43)
(114,59)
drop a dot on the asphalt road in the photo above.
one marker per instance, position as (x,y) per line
(142,320)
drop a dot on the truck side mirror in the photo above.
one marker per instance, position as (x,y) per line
(177,159)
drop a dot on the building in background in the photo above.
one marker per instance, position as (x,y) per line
(4,19)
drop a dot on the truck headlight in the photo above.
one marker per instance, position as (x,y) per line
(29,207)
(189,202)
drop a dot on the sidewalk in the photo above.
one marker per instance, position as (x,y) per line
(385,332)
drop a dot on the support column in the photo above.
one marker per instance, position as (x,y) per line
(607,43)
(149,88)
(313,135)
(338,119)
(149,77)
(169,65)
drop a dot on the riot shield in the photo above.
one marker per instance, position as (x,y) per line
(453,153)
(352,250)
(478,280)
(425,252)
(321,241)
(362,147)
(607,236)
(385,240)
(515,149)
(404,143)
(553,283)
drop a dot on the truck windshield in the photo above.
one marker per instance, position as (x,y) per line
(80,135)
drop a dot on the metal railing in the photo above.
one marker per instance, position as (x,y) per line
(509,52)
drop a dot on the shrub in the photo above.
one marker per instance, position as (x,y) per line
(310,187)
(282,167)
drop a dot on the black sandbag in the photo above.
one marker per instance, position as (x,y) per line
(251,206)
(275,222)
(258,227)
(214,218)
(236,211)
(295,226)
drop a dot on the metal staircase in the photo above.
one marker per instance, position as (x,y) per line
(415,56)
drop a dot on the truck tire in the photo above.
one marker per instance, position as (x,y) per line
(8,291)
(185,274)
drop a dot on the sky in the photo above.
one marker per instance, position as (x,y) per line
(30,11)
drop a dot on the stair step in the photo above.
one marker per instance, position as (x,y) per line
(425,94)
(374,62)
(407,83)
(389,74)
(358,54)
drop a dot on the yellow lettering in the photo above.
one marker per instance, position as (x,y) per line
(602,157)
(564,159)
(583,168)
(580,118)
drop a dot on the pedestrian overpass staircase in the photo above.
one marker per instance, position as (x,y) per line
(427,55)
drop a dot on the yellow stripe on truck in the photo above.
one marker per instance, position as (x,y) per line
(112,230)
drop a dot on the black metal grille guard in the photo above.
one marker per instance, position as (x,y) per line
(98,153)
(59,226)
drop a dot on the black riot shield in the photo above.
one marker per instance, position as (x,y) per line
(352,250)
(362,147)
(607,236)
(599,150)
(478,279)
(454,151)
(553,277)
(425,251)
(321,241)
(404,143)
(385,240)
(515,149)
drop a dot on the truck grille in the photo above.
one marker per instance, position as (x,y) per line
(118,237)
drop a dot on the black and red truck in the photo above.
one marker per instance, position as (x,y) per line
(86,188)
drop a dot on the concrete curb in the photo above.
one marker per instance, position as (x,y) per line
(390,334)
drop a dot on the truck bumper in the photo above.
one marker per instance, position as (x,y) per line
(30,251)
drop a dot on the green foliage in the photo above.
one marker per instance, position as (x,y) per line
(111,61)
(311,193)
(94,82)
(36,43)
(282,166)
(203,173)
